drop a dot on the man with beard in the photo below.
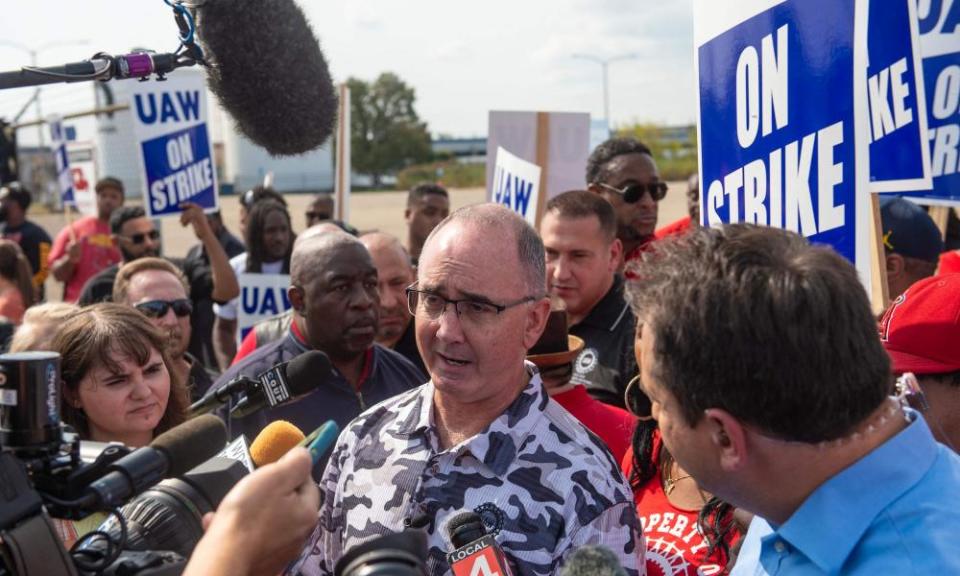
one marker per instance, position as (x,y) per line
(333,291)
(623,172)
(159,290)
(136,237)
(33,240)
(395,273)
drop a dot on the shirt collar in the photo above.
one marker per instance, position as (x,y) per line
(610,311)
(497,445)
(872,483)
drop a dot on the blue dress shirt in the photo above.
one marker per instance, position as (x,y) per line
(895,511)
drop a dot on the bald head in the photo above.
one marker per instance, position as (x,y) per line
(497,221)
(394,274)
(313,253)
(378,243)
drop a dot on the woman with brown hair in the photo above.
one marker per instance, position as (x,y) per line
(117,385)
(16,284)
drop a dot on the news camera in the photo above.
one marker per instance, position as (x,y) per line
(45,483)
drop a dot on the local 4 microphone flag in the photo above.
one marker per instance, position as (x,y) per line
(482,557)
(176,157)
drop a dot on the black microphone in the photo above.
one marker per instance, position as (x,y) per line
(593,561)
(475,551)
(222,395)
(285,383)
(267,70)
(170,454)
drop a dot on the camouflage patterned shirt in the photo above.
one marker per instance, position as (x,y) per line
(542,483)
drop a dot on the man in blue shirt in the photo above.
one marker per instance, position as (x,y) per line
(761,359)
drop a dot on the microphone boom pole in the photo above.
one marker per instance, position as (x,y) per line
(101,67)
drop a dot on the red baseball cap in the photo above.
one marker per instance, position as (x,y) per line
(921,329)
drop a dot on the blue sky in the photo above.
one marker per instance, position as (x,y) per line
(463,58)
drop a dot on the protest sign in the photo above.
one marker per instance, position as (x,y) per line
(899,153)
(261,296)
(939,28)
(783,131)
(516,185)
(557,142)
(176,157)
(58,145)
(83,172)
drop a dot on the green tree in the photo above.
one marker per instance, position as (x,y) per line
(386,134)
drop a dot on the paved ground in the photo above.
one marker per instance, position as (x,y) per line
(368,211)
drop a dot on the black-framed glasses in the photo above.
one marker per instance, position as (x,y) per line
(141,237)
(430,306)
(634,192)
(158,308)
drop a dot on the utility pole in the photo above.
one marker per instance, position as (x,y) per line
(604,65)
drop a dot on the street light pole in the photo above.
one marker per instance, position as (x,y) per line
(604,65)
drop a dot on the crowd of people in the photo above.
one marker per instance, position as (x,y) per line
(699,401)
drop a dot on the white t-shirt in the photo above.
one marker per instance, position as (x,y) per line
(228,311)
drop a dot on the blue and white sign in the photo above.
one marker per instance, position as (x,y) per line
(176,158)
(899,156)
(516,185)
(58,144)
(939,27)
(782,131)
(261,296)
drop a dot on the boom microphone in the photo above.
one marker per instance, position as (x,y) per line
(593,561)
(267,70)
(170,454)
(285,383)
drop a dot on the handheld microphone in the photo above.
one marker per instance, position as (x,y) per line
(475,551)
(285,383)
(267,70)
(170,454)
(593,561)
(275,440)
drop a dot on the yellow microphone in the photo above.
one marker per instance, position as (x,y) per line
(274,441)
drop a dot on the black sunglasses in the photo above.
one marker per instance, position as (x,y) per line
(634,192)
(318,216)
(158,308)
(142,237)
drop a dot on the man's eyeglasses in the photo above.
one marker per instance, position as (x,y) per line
(142,237)
(634,192)
(158,308)
(430,306)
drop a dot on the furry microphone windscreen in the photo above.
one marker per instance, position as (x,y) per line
(268,72)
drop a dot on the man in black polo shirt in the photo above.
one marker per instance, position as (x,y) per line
(333,290)
(33,240)
(579,232)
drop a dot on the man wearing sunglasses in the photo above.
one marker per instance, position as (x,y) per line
(622,171)
(160,291)
(137,237)
(319,210)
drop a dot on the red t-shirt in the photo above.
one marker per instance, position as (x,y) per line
(675,545)
(949,262)
(97,253)
(634,256)
(613,425)
(674,228)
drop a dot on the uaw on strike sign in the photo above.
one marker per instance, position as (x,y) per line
(176,159)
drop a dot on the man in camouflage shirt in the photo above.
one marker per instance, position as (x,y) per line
(482,435)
